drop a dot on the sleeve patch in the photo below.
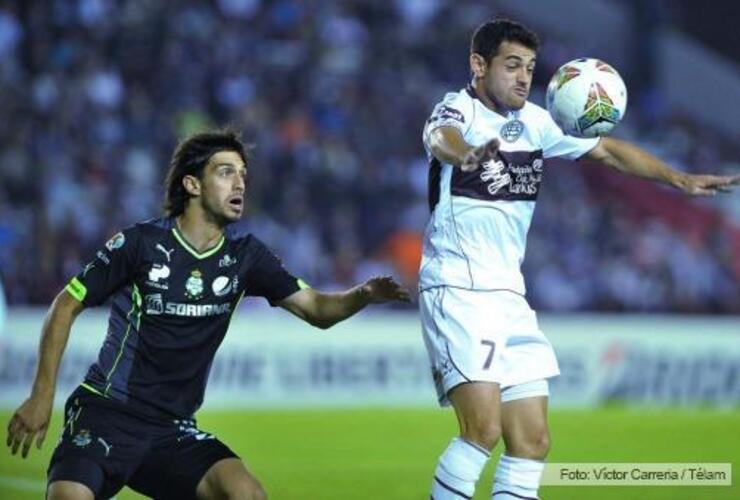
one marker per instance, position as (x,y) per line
(449,113)
(115,242)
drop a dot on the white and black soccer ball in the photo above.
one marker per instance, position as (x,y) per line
(586,98)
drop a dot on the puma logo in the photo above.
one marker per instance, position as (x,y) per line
(165,251)
(105,445)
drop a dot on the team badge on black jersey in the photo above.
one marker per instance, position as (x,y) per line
(194,285)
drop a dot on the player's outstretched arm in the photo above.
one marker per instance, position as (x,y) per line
(633,160)
(31,419)
(448,146)
(324,310)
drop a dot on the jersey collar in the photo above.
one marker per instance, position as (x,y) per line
(198,255)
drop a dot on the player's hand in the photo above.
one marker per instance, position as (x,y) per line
(708,185)
(385,289)
(30,420)
(478,155)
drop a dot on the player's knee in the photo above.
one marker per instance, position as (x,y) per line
(539,445)
(535,445)
(483,432)
(68,490)
(544,444)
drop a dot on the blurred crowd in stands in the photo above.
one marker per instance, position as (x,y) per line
(94,95)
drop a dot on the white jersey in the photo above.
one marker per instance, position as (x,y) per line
(476,236)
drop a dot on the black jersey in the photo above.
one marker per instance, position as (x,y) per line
(170,311)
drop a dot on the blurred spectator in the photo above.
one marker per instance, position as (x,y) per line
(333,95)
(2,308)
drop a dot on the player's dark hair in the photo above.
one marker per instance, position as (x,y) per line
(190,158)
(489,36)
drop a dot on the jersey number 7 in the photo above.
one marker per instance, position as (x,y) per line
(492,346)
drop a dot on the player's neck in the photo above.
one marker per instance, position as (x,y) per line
(489,101)
(200,233)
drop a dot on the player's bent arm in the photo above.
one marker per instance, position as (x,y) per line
(633,160)
(448,146)
(55,332)
(324,310)
(31,419)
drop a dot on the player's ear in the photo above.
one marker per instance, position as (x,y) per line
(477,65)
(191,184)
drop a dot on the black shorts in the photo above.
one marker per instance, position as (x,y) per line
(105,447)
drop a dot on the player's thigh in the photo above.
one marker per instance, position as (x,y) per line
(229,478)
(478,409)
(524,420)
(465,335)
(68,490)
(179,460)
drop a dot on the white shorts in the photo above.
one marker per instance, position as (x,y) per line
(483,336)
(532,389)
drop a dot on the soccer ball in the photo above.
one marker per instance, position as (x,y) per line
(586,98)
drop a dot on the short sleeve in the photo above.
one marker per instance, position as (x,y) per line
(113,266)
(267,277)
(455,110)
(556,144)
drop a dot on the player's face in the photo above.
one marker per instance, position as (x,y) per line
(508,76)
(223,186)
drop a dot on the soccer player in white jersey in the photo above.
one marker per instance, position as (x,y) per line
(486,146)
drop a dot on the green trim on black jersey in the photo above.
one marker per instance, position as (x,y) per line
(135,306)
(302,284)
(92,389)
(76,289)
(198,255)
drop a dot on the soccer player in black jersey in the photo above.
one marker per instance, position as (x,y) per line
(175,283)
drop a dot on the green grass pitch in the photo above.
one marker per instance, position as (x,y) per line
(390,454)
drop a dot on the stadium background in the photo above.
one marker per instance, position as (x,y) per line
(94,94)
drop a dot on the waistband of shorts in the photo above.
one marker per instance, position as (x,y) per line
(91,396)
(485,290)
